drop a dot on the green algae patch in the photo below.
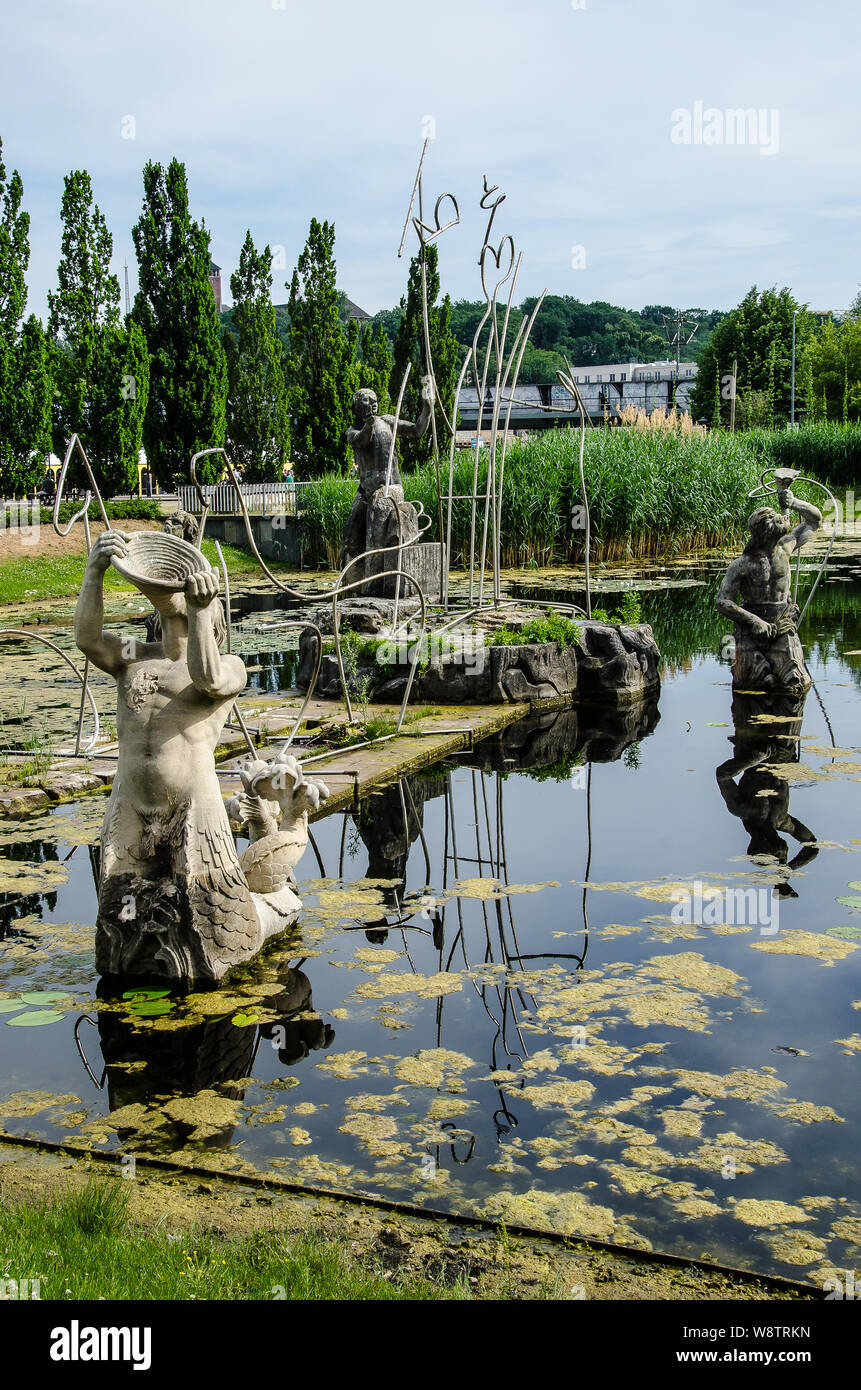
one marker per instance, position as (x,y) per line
(744,1155)
(682,1124)
(24,876)
(207,1113)
(433,1067)
(826,949)
(346,1065)
(741,1084)
(848,1228)
(385,985)
(692,971)
(568,1212)
(795,1247)
(804,1112)
(564,1093)
(754,1212)
(371,1130)
(486,889)
(24,1104)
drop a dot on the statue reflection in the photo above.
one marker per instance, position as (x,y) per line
(767,734)
(149,1066)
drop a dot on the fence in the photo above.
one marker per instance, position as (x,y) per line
(261,499)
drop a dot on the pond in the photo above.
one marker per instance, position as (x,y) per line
(497,1000)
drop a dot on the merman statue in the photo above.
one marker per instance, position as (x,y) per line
(756,595)
(175,900)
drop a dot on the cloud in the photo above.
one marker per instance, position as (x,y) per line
(281,114)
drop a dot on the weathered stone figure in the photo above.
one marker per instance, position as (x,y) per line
(376,519)
(173,897)
(768,653)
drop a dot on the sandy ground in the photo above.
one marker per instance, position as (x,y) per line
(17,545)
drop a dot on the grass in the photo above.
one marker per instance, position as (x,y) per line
(553,628)
(58,576)
(85,1246)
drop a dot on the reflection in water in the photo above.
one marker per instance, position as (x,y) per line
(555,745)
(767,736)
(145,1066)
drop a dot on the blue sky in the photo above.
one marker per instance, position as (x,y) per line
(287,109)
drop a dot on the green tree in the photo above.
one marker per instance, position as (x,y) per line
(375,365)
(832,369)
(409,347)
(258,427)
(175,308)
(25,376)
(101,370)
(758,334)
(321,374)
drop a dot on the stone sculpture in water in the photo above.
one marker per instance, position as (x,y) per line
(380,517)
(756,595)
(175,900)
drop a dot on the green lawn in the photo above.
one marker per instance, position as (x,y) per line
(35,577)
(84,1246)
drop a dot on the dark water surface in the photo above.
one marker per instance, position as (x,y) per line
(459,1022)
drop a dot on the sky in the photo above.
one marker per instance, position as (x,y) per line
(585,113)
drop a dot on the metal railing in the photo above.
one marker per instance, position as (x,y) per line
(261,499)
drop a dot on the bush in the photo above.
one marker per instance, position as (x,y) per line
(136,509)
(553,628)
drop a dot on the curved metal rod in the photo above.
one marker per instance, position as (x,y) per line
(395,428)
(229,639)
(37,637)
(571,387)
(61,482)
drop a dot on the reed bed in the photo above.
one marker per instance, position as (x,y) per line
(653,491)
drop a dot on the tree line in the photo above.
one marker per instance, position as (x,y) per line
(274,384)
(168,376)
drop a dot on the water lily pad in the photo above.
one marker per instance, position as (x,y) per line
(847,933)
(850,902)
(44,997)
(140,996)
(36,1018)
(150,1008)
(243,1020)
(9,1006)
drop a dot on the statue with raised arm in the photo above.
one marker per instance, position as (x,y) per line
(175,900)
(380,517)
(756,595)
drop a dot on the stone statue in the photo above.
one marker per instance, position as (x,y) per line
(753,787)
(174,898)
(768,653)
(378,519)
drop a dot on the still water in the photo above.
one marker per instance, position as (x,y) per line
(497,1000)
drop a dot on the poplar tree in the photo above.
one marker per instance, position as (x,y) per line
(409,347)
(25,376)
(375,366)
(101,369)
(257,422)
(321,375)
(175,308)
